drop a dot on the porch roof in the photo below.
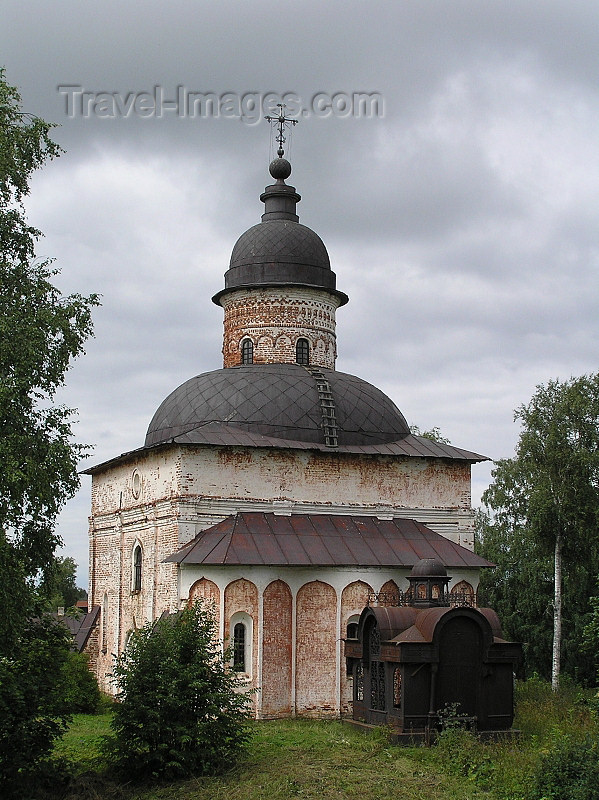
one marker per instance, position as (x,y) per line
(255,538)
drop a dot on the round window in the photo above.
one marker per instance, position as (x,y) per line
(136,490)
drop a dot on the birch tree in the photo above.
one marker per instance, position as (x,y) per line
(549,490)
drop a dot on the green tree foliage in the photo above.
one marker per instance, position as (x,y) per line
(60,585)
(40,333)
(543,528)
(520,589)
(179,711)
(590,634)
(434,434)
(34,706)
(82,692)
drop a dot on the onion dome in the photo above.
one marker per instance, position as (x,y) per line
(279,251)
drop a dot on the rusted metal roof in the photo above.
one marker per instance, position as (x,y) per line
(322,540)
(224,435)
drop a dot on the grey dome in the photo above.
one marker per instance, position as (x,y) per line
(279,251)
(280,401)
(282,241)
(428,568)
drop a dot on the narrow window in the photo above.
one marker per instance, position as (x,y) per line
(105,623)
(302,352)
(247,351)
(377,686)
(397,687)
(239,647)
(137,569)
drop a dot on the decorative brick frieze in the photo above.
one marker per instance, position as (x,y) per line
(274,319)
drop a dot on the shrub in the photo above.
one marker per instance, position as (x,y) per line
(179,713)
(461,753)
(569,770)
(83,693)
(541,711)
(458,749)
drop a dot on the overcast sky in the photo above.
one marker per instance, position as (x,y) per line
(462,221)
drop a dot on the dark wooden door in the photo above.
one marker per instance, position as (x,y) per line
(460,666)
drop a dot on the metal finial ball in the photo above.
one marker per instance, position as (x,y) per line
(280,168)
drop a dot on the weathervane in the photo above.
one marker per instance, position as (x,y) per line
(282,121)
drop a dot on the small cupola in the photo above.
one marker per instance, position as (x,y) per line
(280,295)
(428,584)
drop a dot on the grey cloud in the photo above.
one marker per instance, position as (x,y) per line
(463,224)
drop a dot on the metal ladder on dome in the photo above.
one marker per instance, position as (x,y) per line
(327,408)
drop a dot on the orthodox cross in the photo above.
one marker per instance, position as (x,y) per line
(282,121)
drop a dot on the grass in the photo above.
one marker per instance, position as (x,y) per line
(506,769)
(327,760)
(81,744)
(331,761)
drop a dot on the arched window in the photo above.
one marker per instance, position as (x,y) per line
(137,560)
(302,352)
(247,351)
(241,627)
(128,638)
(463,594)
(351,632)
(352,626)
(239,647)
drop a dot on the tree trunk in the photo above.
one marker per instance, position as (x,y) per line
(557,613)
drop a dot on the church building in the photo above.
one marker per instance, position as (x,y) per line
(288,493)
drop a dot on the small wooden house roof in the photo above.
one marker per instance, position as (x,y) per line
(406,624)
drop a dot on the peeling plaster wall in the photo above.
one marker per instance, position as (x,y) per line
(301,617)
(277,668)
(116,488)
(126,512)
(320,477)
(160,499)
